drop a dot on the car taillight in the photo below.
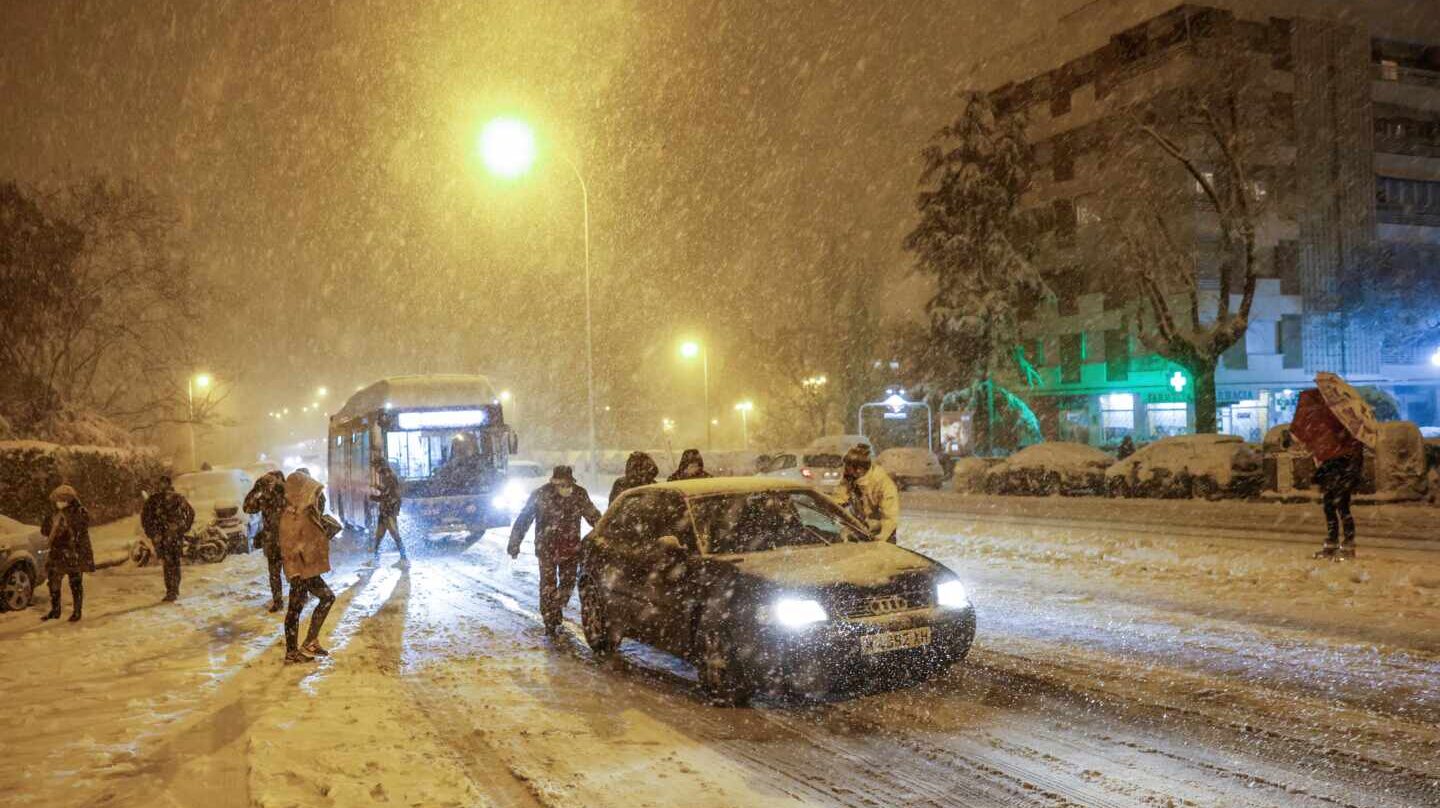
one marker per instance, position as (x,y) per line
(807,473)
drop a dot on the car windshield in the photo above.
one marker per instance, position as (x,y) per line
(757,521)
(829,461)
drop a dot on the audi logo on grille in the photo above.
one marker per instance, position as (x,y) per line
(887,605)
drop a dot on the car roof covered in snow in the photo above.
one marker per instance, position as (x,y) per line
(726,485)
(435,391)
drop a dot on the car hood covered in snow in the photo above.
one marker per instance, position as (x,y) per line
(857,563)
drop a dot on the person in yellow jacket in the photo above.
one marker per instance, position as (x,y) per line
(868,494)
(305,556)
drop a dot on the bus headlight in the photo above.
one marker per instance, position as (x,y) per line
(511,497)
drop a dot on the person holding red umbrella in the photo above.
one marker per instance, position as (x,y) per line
(1336,424)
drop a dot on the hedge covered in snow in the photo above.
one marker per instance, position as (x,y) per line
(109,480)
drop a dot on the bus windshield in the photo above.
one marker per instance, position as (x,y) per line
(421,453)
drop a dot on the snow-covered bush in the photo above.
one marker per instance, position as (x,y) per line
(968,475)
(1050,468)
(109,480)
(1208,466)
(1400,461)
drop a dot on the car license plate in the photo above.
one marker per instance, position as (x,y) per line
(895,640)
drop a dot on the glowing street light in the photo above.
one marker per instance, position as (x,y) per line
(202,381)
(689,350)
(321,392)
(507,146)
(744,408)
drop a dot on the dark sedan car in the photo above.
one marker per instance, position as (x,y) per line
(766,585)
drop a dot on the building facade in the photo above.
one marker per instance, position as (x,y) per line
(1350,242)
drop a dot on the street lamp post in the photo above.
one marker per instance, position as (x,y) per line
(201,380)
(690,350)
(508,148)
(744,409)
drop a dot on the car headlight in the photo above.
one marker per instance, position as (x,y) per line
(952,595)
(795,612)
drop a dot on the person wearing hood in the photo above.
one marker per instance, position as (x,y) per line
(68,528)
(692,467)
(868,494)
(267,498)
(166,518)
(555,509)
(305,556)
(640,469)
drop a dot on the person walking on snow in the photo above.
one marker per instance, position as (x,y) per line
(1340,468)
(166,518)
(556,509)
(267,498)
(868,494)
(387,485)
(692,467)
(640,469)
(305,556)
(68,528)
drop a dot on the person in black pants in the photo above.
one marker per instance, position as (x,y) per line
(305,554)
(68,528)
(1339,478)
(267,498)
(166,518)
(388,498)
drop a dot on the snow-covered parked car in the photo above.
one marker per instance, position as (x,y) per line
(821,469)
(23,549)
(216,497)
(1209,466)
(912,466)
(1044,469)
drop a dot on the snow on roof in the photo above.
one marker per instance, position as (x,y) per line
(436,391)
(1060,456)
(730,485)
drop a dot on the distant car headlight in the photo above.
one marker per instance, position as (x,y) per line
(795,612)
(952,595)
(511,497)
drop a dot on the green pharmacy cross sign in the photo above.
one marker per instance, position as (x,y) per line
(1178,381)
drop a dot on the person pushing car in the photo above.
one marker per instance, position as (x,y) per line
(868,494)
(555,509)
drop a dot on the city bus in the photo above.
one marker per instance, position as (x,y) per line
(446,438)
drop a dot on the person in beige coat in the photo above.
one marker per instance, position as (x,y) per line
(305,556)
(869,494)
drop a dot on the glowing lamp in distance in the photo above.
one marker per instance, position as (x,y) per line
(507,146)
(441,419)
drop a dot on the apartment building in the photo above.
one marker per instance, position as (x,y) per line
(1350,244)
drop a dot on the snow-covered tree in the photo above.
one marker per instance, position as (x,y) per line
(1179,219)
(977,243)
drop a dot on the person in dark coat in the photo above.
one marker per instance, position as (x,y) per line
(166,518)
(387,485)
(68,528)
(267,498)
(1127,448)
(556,509)
(640,469)
(692,467)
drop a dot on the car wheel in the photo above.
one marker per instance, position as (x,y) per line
(595,620)
(210,551)
(17,588)
(720,673)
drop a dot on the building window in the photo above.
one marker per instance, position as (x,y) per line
(1168,418)
(1288,335)
(1117,416)
(1065,220)
(1072,356)
(1063,163)
(1117,355)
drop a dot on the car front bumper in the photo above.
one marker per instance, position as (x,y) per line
(828,656)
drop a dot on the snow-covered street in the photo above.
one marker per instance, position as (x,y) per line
(1114,666)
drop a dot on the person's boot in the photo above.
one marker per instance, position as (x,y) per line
(276,606)
(1328,551)
(403,563)
(75,615)
(53,614)
(297,656)
(312,647)
(78,596)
